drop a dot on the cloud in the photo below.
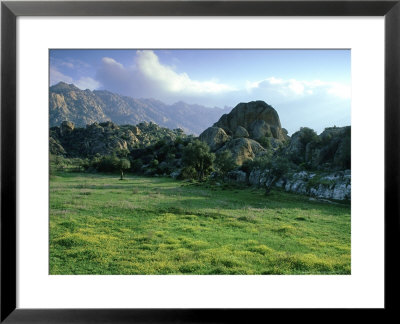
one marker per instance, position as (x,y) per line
(111,62)
(312,103)
(56,77)
(148,77)
(83,83)
(340,90)
(67,64)
(87,83)
(167,79)
(295,89)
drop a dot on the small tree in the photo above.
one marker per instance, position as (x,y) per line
(308,135)
(278,168)
(197,155)
(224,162)
(265,142)
(124,164)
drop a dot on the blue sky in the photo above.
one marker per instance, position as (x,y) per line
(307,87)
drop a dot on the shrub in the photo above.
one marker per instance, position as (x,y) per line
(154,163)
(308,135)
(188,172)
(265,142)
(108,163)
(224,162)
(137,165)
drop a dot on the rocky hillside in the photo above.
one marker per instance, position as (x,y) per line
(331,150)
(106,138)
(83,107)
(249,130)
(333,185)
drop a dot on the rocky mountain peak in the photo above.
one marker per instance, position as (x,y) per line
(82,107)
(63,87)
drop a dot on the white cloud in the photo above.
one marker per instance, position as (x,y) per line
(67,64)
(151,68)
(273,80)
(111,62)
(56,77)
(296,87)
(292,88)
(340,90)
(83,83)
(87,83)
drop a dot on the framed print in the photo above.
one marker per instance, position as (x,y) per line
(126,197)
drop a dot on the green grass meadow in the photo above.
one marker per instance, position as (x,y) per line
(101,225)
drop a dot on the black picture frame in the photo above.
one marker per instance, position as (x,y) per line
(10,10)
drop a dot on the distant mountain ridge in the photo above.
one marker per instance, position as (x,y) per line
(69,103)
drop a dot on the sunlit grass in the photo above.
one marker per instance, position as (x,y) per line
(101,225)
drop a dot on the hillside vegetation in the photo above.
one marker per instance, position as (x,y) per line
(247,145)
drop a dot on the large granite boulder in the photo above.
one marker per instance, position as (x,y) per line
(243,149)
(241,132)
(256,117)
(215,137)
(66,128)
(260,128)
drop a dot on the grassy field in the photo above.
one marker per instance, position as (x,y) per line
(101,225)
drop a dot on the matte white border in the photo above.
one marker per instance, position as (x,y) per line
(363,288)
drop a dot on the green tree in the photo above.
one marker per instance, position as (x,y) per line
(265,142)
(123,164)
(137,165)
(224,162)
(278,168)
(308,135)
(197,155)
(121,152)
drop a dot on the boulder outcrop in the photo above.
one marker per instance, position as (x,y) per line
(330,150)
(241,132)
(243,149)
(105,138)
(215,137)
(243,129)
(256,117)
(327,185)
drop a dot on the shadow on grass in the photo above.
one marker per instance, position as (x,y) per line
(199,198)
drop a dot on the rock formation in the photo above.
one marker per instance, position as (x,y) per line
(243,128)
(331,149)
(215,137)
(326,185)
(256,117)
(105,138)
(243,149)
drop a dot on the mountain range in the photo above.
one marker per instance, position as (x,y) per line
(69,103)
